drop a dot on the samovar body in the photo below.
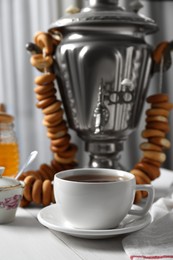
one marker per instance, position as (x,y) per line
(103,71)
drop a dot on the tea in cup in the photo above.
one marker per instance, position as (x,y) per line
(97,198)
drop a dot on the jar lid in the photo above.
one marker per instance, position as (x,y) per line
(4,117)
(7,182)
(105,13)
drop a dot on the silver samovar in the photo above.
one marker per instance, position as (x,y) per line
(103,71)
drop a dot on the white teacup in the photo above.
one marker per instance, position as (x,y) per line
(94,198)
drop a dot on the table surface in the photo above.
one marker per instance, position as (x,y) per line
(26,239)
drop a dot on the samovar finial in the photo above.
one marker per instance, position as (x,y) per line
(103,3)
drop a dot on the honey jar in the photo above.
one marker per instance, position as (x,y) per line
(9,149)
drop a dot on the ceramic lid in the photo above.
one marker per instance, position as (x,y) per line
(105,13)
(7,182)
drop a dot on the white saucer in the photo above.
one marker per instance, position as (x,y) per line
(52,218)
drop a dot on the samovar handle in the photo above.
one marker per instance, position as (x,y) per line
(32,49)
(162,52)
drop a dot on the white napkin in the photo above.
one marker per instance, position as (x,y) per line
(164,184)
(156,240)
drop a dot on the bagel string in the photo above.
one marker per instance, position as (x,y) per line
(153,149)
(39,182)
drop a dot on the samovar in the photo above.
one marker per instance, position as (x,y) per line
(103,70)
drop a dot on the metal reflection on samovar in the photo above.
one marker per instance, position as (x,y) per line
(103,71)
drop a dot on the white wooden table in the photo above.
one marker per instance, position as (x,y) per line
(27,239)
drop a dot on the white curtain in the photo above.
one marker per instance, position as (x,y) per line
(162,13)
(19,20)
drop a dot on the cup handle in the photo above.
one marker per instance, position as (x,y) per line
(148,203)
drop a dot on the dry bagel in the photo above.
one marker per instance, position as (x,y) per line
(164,105)
(151,171)
(157,112)
(151,162)
(156,156)
(29,180)
(157,98)
(37,191)
(50,93)
(52,108)
(46,192)
(146,146)
(46,102)
(43,89)
(156,119)
(159,126)
(148,133)
(163,142)
(45,79)
(45,42)
(41,62)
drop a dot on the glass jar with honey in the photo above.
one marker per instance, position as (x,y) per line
(9,149)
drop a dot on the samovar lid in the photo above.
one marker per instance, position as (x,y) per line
(106,13)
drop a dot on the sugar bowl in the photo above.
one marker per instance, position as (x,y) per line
(11,191)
